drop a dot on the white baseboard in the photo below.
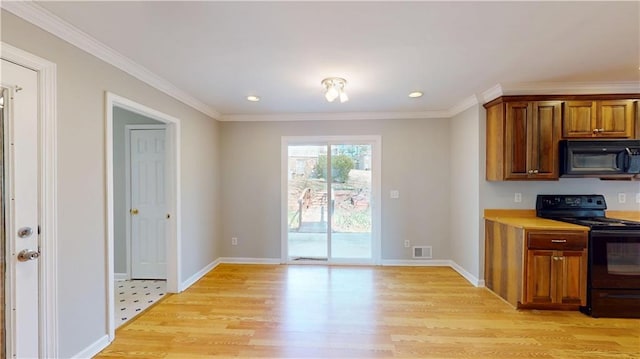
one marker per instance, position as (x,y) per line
(201,273)
(119,277)
(435,263)
(239,260)
(385,262)
(417,262)
(468,276)
(93,349)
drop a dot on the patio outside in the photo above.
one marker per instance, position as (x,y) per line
(349,207)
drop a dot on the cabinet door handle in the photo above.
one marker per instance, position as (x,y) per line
(535,172)
(558,241)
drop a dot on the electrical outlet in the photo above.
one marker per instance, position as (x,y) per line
(394,194)
(622,197)
(637,197)
(407,243)
(517,197)
(234,241)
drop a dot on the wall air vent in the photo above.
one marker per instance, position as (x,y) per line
(422,252)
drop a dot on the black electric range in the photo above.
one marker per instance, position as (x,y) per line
(613,270)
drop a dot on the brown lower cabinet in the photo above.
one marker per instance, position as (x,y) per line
(536,269)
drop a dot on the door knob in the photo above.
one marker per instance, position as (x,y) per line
(28,255)
(134,211)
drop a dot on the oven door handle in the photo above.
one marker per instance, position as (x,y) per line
(627,160)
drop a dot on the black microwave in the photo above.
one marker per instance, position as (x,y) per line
(600,158)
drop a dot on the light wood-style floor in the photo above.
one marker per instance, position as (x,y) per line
(280,311)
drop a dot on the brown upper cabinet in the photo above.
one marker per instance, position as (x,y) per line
(522,140)
(523,132)
(605,119)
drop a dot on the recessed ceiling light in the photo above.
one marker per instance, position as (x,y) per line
(253,98)
(416,94)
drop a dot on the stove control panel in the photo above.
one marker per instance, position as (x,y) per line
(572,201)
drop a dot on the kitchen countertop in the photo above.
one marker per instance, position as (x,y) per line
(628,215)
(526,219)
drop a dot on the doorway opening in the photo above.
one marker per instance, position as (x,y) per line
(143,196)
(330,199)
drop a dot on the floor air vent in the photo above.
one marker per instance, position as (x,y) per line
(422,252)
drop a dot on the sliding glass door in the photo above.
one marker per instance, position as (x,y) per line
(330,201)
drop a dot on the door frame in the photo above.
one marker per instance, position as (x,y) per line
(376,192)
(47,113)
(173,196)
(127,156)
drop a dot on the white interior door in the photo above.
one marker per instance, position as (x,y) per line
(22,191)
(148,204)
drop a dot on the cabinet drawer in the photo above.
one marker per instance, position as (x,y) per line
(557,240)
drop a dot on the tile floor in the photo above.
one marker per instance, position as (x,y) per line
(134,296)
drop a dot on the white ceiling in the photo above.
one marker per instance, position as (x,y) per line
(220,52)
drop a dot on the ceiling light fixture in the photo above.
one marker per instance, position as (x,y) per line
(416,94)
(253,98)
(334,88)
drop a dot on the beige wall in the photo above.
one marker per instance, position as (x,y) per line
(82,82)
(465,190)
(414,161)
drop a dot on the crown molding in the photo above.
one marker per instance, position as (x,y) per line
(47,21)
(492,93)
(463,105)
(352,116)
(336,116)
(570,88)
(560,88)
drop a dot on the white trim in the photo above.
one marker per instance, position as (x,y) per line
(463,105)
(198,275)
(49,22)
(119,277)
(435,263)
(573,88)
(338,116)
(468,276)
(560,88)
(417,262)
(47,109)
(376,192)
(173,200)
(127,186)
(245,260)
(492,93)
(93,349)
